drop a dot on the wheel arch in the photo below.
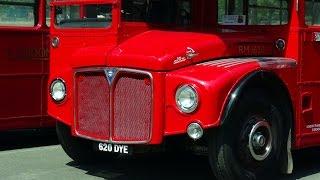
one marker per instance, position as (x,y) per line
(272,84)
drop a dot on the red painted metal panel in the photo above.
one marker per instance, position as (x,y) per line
(24,68)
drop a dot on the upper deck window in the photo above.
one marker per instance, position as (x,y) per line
(253,12)
(18,13)
(312,13)
(84,16)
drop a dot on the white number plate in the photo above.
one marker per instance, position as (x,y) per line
(114,148)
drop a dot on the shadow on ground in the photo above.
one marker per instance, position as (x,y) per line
(27,138)
(188,167)
(155,167)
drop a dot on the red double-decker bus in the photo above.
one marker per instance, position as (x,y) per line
(24,64)
(238,78)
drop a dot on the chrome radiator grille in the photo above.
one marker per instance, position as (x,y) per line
(132,109)
(118,111)
(93,105)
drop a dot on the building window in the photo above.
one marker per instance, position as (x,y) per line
(253,12)
(18,13)
(48,12)
(312,13)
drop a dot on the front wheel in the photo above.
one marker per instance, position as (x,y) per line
(80,150)
(249,144)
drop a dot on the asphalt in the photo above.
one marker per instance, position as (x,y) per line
(37,156)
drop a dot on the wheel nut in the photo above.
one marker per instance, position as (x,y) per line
(259,140)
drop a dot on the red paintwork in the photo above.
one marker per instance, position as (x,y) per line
(141,46)
(24,68)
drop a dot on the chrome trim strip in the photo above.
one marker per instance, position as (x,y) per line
(276,63)
(264,62)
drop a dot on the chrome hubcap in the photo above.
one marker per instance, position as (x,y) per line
(260,140)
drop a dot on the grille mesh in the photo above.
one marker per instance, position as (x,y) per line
(131,111)
(93,105)
(132,108)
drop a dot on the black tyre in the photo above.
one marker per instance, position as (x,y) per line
(250,142)
(80,150)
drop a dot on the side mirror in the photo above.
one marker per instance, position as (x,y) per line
(58,10)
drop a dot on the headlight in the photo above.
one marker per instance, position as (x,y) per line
(187,99)
(58,90)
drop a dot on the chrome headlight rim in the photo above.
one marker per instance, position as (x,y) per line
(195,105)
(53,82)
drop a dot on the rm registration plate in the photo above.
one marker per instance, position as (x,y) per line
(112,148)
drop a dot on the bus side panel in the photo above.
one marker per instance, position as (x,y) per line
(23,74)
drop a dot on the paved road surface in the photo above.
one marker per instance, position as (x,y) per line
(45,161)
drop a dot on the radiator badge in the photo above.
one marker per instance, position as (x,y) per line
(110,74)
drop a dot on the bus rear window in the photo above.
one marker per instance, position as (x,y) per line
(83,16)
